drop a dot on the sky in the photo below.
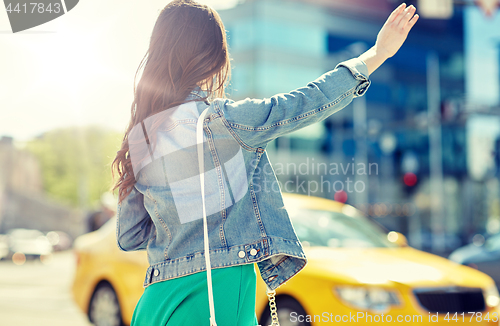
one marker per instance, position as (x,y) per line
(77,69)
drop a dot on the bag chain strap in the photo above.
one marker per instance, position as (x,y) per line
(272,307)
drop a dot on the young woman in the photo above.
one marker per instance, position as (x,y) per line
(160,207)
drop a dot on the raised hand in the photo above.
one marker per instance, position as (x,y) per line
(391,36)
(395,30)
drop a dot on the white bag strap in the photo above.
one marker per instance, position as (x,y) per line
(201,163)
(199,141)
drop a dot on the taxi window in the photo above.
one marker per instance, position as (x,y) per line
(334,229)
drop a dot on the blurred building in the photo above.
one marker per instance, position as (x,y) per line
(22,203)
(411,127)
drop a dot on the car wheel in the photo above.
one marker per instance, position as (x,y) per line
(289,311)
(104,309)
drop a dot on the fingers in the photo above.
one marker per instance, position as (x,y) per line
(396,12)
(406,16)
(412,22)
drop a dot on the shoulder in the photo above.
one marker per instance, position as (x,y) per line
(242,111)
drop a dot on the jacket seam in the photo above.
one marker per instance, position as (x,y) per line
(223,211)
(176,123)
(162,223)
(149,273)
(256,210)
(353,69)
(297,269)
(227,124)
(190,272)
(220,179)
(260,259)
(118,228)
(296,118)
(203,268)
(149,243)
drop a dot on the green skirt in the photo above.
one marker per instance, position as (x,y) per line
(184,300)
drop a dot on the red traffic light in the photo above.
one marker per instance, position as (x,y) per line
(410,179)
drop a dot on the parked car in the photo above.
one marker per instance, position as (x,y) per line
(481,255)
(354,268)
(28,244)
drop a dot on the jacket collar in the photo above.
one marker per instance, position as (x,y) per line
(196,93)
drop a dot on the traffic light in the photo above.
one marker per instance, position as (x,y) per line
(410,181)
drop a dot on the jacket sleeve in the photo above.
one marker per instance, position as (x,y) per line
(134,225)
(257,122)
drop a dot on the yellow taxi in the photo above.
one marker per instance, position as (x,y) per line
(356,273)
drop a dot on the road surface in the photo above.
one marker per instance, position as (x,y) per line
(39,294)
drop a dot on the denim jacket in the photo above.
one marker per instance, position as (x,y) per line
(247,220)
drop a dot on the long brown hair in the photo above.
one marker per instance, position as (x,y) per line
(188,48)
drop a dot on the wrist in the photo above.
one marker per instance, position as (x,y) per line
(381,52)
(373,58)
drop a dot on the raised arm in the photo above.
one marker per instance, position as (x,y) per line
(256,122)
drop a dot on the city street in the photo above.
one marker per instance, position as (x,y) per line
(39,294)
(350,155)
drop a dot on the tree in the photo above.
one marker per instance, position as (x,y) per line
(76,163)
